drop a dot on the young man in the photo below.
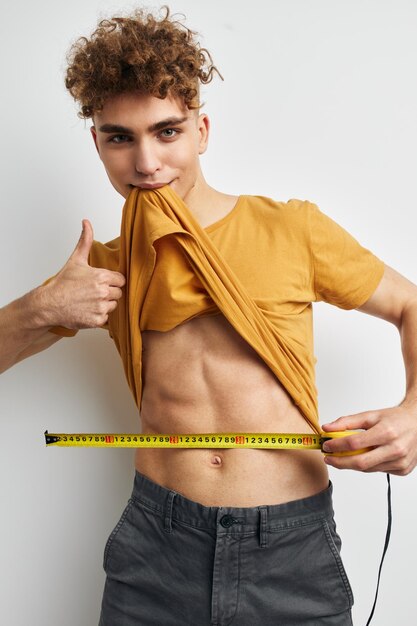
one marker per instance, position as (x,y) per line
(208,299)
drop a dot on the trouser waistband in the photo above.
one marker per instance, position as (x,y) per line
(170,505)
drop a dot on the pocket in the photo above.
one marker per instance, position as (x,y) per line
(304,567)
(114,533)
(335,544)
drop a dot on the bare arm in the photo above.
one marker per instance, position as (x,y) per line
(79,296)
(389,433)
(22,332)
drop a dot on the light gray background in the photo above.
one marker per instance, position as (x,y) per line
(319,102)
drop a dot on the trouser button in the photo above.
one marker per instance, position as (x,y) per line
(227,520)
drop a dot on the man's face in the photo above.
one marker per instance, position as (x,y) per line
(144,141)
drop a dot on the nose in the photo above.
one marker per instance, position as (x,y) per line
(147,161)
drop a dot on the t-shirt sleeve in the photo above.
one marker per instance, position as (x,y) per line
(345,273)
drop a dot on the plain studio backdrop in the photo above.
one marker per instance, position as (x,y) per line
(319,102)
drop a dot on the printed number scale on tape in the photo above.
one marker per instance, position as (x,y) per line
(279,441)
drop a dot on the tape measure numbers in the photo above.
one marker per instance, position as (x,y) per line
(277,441)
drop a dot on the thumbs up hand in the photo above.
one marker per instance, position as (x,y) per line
(81,296)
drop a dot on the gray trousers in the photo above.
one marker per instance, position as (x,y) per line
(171,561)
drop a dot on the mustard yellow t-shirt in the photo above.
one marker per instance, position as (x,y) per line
(261,266)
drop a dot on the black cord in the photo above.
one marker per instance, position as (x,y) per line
(387,538)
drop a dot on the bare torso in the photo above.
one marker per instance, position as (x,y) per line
(203,377)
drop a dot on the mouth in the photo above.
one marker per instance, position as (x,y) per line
(150,185)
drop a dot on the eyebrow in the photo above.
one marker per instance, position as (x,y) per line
(116,128)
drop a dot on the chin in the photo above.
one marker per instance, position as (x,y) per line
(126,191)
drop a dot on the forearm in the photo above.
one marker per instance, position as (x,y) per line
(408,334)
(23,322)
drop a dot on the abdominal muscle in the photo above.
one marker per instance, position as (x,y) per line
(202,377)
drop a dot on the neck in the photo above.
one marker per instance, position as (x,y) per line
(201,199)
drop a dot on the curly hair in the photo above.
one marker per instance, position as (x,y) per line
(141,54)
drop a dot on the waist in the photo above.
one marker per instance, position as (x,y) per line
(290,513)
(230,477)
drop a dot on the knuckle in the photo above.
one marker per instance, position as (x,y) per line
(399,450)
(102,276)
(389,431)
(362,464)
(351,443)
(102,291)
(404,467)
(402,471)
(99,320)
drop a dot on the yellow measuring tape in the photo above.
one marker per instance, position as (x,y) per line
(278,441)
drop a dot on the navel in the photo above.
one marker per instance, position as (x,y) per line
(216,460)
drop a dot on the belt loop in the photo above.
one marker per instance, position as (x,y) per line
(168,511)
(262,526)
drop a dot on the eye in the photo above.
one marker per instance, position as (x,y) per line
(172,132)
(119,139)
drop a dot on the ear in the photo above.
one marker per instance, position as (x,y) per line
(94,135)
(203,124)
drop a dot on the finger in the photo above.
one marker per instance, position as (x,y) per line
(382,456)
(116,279)
(105,319)
(396,468)
(352,422)
(364,462)
(109,278)
(392,468)
(380,433)
(355,442)
(112,306)
(115,293)
(82,249)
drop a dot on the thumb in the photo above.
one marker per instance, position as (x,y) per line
(82,249)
